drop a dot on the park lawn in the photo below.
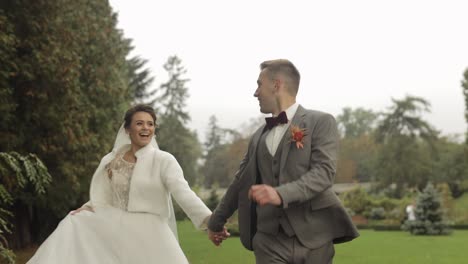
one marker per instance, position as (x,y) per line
(397,247)
(382,247)
(200,250)
(460,209)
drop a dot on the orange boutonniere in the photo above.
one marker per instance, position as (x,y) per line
(297,135)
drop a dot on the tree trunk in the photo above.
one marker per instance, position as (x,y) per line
(21,231)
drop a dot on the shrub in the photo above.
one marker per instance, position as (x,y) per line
(350,211)
(447,202)
(460,210)
(357,200)
(429,215)
(377,213)
(386,203)
(212,200)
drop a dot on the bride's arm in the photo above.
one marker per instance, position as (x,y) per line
(173,178)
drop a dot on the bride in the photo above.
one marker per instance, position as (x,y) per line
(129,218)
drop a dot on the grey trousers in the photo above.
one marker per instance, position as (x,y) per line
(281,249)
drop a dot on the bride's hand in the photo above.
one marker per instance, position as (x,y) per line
(86,207)
(218,237)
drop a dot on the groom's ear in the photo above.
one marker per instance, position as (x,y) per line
(277,84)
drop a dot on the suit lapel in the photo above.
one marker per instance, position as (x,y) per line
(286,145)
(256,136)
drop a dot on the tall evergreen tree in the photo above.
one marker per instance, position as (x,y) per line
(140,79)
(407,139)
(213,136)
(213,166)
(464,84)
(173,99)
(64,86)
(173,135)
(225,149)
(404,118)
(8,67)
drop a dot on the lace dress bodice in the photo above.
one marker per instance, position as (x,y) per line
(120,174)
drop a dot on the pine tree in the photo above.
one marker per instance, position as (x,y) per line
(8,67)
(173,135)
(140,79)
(465,93)
(213,137)
(407,145)
(212,167)
(430,218)
(173,99)
(213,199)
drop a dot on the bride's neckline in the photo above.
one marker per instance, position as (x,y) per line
(126,161)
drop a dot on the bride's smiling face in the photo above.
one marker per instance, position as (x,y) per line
(141,129)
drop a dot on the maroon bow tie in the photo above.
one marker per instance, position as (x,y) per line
(271,122)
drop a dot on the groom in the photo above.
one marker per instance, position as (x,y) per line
(288,212)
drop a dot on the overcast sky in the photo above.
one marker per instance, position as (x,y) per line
(350,53)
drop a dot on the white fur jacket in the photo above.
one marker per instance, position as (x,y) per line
(157,175)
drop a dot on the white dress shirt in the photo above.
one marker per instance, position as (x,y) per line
(275,134)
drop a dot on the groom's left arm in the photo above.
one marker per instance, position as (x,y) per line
(320,176)
(229,203)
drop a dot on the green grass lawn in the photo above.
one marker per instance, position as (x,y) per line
(200,250)
(460,209)
(382,247)
(402,248)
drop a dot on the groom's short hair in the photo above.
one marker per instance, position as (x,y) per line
(287,69)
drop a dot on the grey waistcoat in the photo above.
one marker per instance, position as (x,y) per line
(270,217)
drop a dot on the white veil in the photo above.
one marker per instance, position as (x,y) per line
(123,139)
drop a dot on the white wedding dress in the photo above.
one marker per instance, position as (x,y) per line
(112,234)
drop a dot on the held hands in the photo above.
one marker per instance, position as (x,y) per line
(264,194)
(86,207)
(218,237)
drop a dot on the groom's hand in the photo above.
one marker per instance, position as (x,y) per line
(264,194)
(218,237)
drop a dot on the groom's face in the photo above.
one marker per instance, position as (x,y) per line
(265,93)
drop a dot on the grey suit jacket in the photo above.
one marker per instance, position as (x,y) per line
(305,181)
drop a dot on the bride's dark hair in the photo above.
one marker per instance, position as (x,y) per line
(138,108)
